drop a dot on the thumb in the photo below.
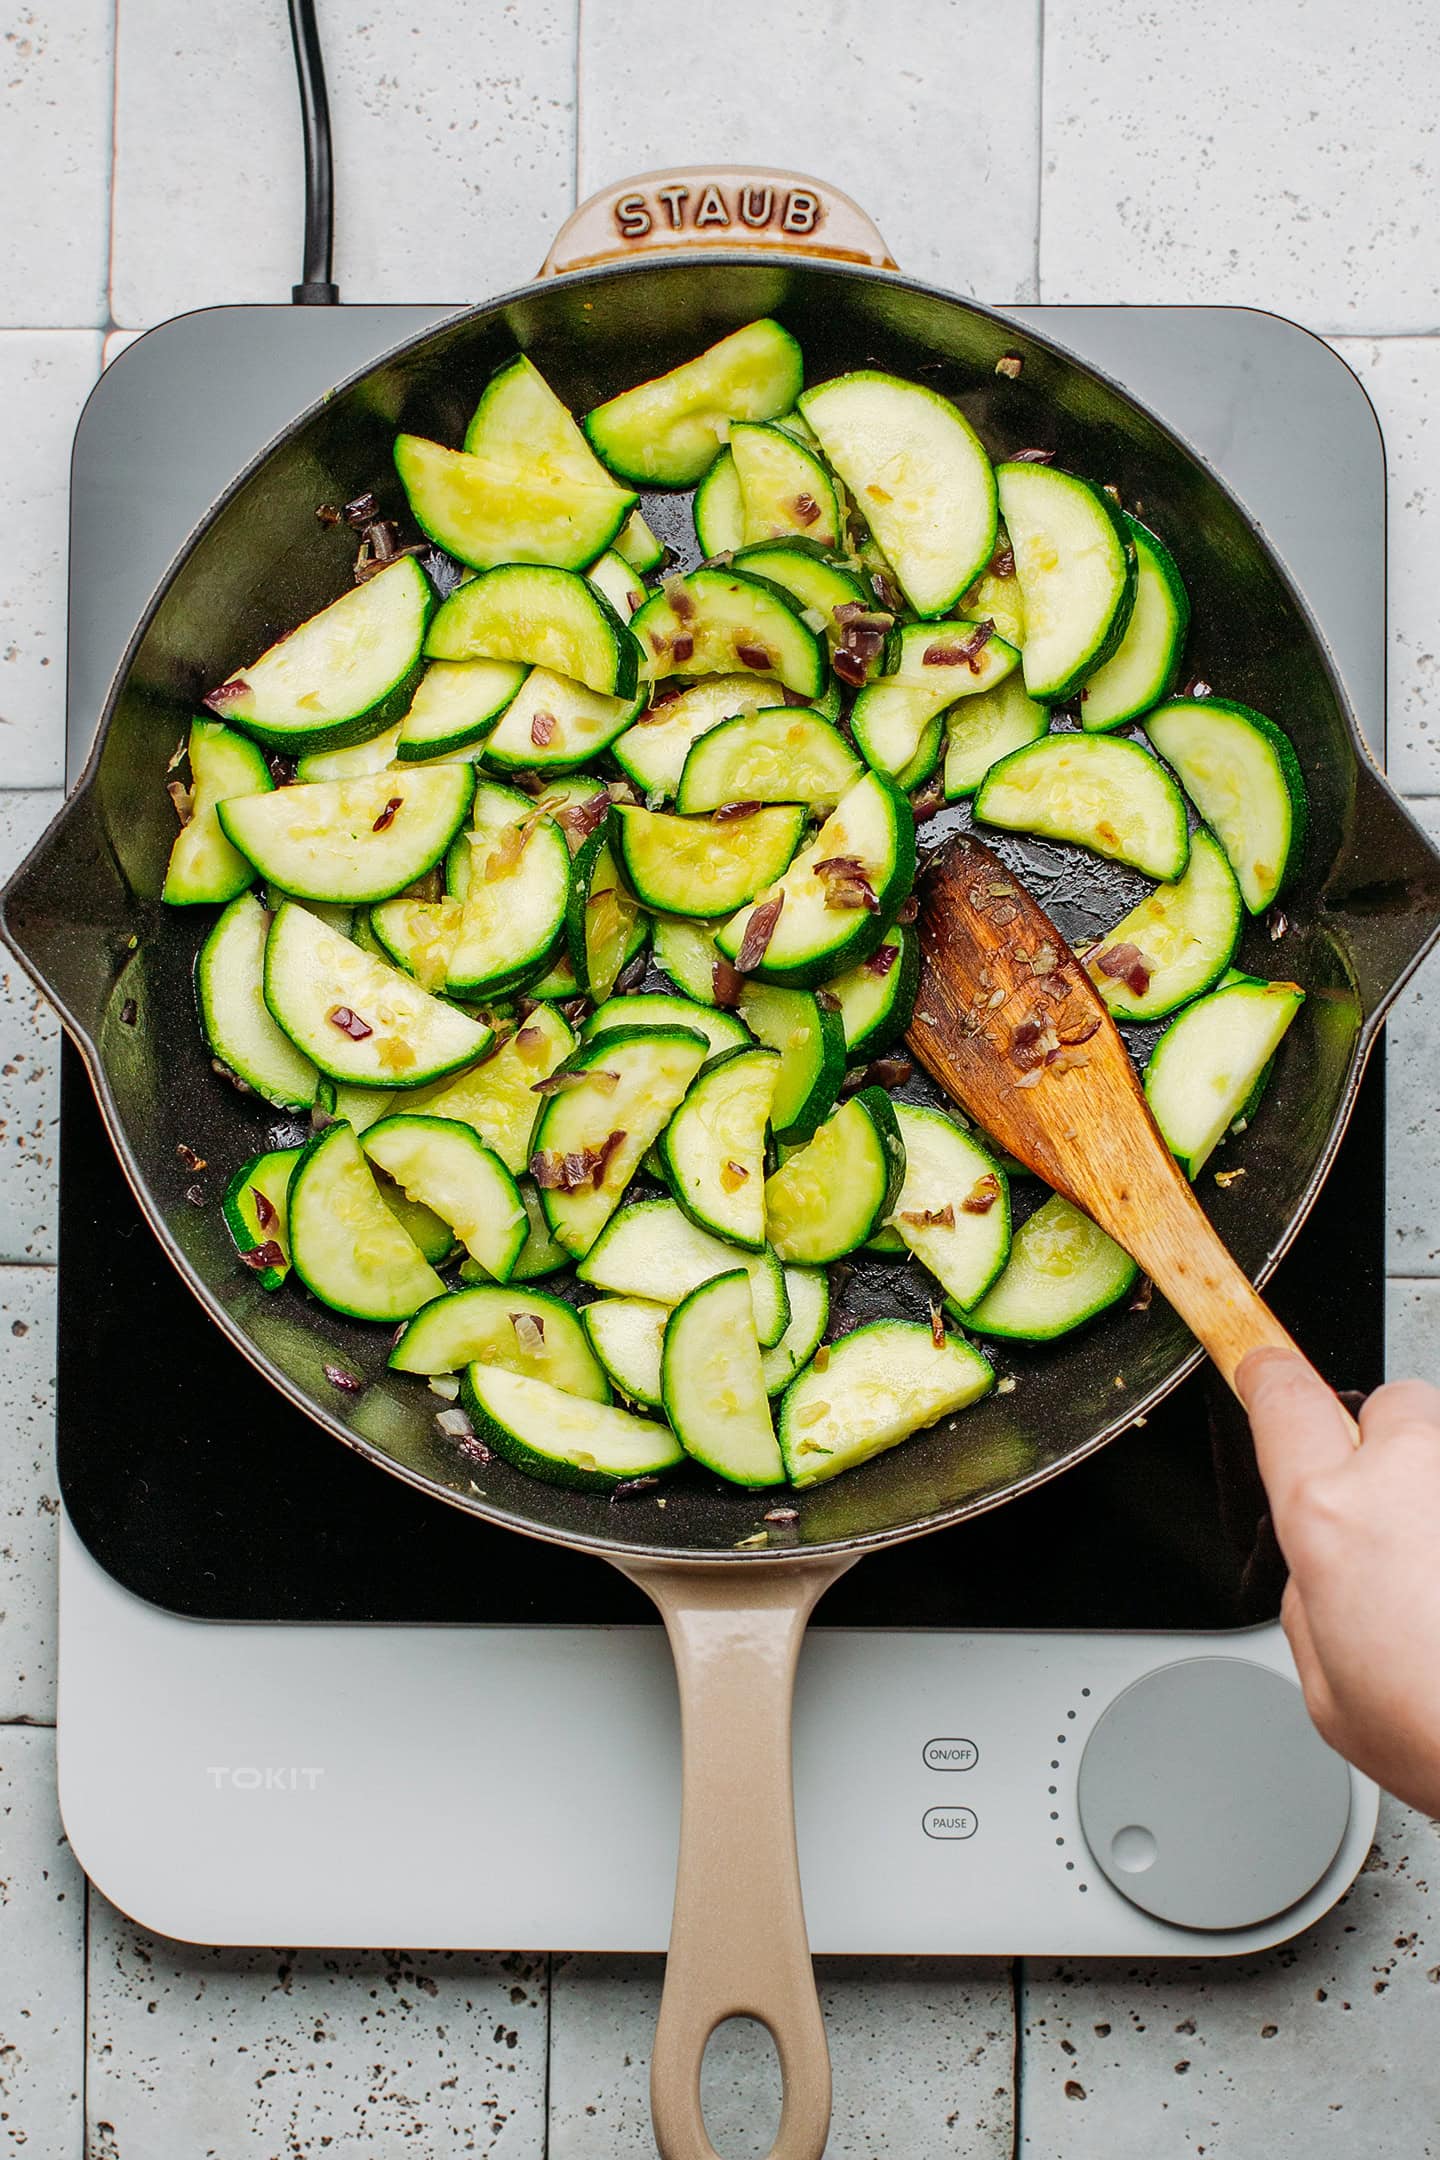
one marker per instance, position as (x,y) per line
(1299,1424)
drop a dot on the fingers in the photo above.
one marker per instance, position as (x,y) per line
(1405,1409)
(1318,1699)
(1299,1425)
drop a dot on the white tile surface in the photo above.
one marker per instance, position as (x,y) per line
(887,106)
(1412,1330)
(1402,377)
(45,377)
(230,2054)
(55,154)
(1282,156)
(921,2050)
(454,150)
(29,1494)
(1413,1111)
(29,1066)
(1323,2047)
(42,1959)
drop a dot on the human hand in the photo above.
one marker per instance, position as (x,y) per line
(1360,1531)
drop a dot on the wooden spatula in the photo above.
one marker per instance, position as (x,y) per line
(1010,1024)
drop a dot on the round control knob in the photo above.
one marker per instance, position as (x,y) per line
(1207,1797)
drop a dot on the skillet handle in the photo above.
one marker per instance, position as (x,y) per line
(738,1946)
(686,208)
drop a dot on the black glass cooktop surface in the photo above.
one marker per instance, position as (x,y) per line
(202,1490)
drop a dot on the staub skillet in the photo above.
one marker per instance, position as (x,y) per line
(634,285)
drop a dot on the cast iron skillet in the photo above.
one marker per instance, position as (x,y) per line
(83,914)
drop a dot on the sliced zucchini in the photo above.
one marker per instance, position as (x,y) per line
(1076,564)
(713,1149)
(995,595)
(1104,792)
(343,675)
(613,576)
(559,982)
(457,704)
(719,509)
(784,489)
(877,998)
(357,1018)
(419,936)
(332,913)
(229,989)
(919,476)
(435,1239)
(881,1384)
(652,753)
(555,725)
(1243,776)
(525,1332)
(1204,1068)
(352,840)
(595,1129)
(257,1212)
(627,1335)
(652,1250)
(654,1008)
(825,922)
(1062,1270)
(497,1097)
(934,666)
(359,1107)
(548,618)
(560,1438)
(516,895)
(1145,665)
(203,865)
(715,621)
(1176,943)
(830,1195)
(486,511)
(345,1244)
(667,432)
(954,1206)
(809,1292)
(520,421)
(353,760)
(600,917)
(814,580)
(448,1169)
(705,866)
(713,1384)
(639,546)
(539,1255)
(781,754)
(687,953)
(809,1035)
(985,729)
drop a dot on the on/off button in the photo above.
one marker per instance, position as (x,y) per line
(951,1754)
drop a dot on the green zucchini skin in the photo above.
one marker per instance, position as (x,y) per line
(1043,508)
(627,1336)
(809,1035)
(543,616)
(345,1244)
(720,1128)
(1145,666)
(352,841)
(713,1384)
(655,1066)
(268,1176)
(559,1438)
(1185,935)
(782,754)
(234,1017)
(809,1293)
(709,622)
(667,872)
(477,1326)
(654,1008)
(1204,1069)
(719,509)
(827,1199)
(204,867)
(1062,1271)
(666,433)
(876,1007)
(882,1383)
(1060,786)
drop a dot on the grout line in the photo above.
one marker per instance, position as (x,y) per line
(549,2028)
(579,90)
(1039,137)
(114,153)
(85,2024)
(1017,2058)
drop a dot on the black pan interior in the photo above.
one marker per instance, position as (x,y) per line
(86,908)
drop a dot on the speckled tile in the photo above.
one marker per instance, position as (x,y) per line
(1412,1179)
(45,377)
(454,151)
(42,1958)
(29,1066)
(1402,378)
(116,342)
(1412,1329)
(223,2054)
(1265,156)
(55,132)
(880,109)
(1323,2047)
(922,2052)
(29,1494)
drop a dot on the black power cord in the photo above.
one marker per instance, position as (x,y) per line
(317,287)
